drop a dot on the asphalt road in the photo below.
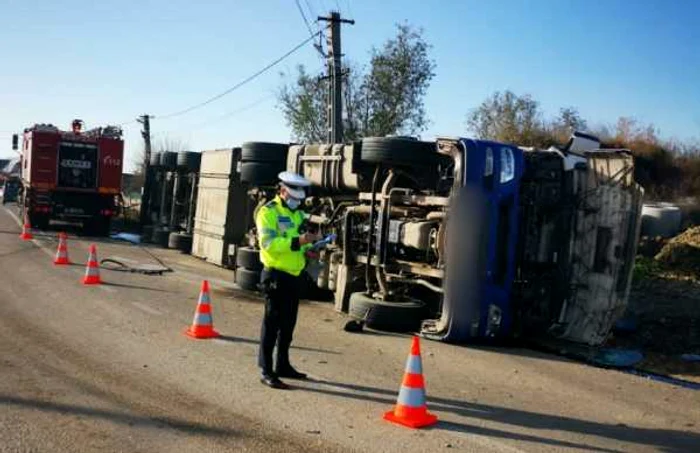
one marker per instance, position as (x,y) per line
(107,369)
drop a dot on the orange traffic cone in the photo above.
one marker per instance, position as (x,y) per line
(203,324)
(92,271)
(62,252)
(410,407)
(26,229)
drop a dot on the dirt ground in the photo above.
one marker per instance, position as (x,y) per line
(665,303)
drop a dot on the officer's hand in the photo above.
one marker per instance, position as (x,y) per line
(309,238)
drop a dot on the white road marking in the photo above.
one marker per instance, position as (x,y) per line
(146,308)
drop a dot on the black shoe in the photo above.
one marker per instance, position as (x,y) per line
(273,382)
(290,373)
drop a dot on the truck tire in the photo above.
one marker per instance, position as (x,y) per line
(249,258)
(264,152)
(168,160)
(397,151)
(180,241)
(261,173)
(155,159)
(147,233)
(161,237)
(189,160)
(247,279)
(390,316)
(39,221)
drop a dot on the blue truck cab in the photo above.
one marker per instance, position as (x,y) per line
(482,240)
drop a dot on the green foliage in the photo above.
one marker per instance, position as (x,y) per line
(386,99)
(645,269)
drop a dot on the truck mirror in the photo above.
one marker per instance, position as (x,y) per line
(15,142)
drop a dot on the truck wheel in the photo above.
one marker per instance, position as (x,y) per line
(248,279)
(249,258)
(155,159)
(161,237)
(97,227)
(180,241)
(38,221)
(390,316)
(189,160)
(397,151)
(261,173)
(264,152)
(168,159)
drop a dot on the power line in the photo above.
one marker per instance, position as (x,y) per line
(303,16)
(241,83)
(311,10)
(352,16)
(232,113)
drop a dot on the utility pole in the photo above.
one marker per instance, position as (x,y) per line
(146,195)
(335,74)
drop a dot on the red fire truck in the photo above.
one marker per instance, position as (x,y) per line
(71,176)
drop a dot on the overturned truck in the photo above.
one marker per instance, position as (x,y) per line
(462,240)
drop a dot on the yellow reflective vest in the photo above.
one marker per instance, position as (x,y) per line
(278,237)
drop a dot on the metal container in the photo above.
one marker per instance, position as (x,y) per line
(661,219)
(221,216)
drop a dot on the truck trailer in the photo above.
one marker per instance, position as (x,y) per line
(459,239)
(71,176)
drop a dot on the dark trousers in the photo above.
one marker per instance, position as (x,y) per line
(281,292)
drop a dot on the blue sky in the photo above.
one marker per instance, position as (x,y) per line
(108,61)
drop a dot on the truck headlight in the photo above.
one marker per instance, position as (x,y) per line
(507,165)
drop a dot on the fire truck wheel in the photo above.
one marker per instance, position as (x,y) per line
(38,221)
(397,151)
(180,241)
(261,173)
(248,279)
(249,258)
(264,152)
(189,160)
(390,316)
(98,227)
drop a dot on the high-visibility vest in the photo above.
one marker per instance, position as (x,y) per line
(278,237)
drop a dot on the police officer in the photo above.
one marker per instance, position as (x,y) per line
(282,251)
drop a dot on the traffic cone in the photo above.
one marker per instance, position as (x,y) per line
(26,229)
(410,409)
(62,252)
(203,324)
(92,270)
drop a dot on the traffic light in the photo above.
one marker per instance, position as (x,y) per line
(15,142)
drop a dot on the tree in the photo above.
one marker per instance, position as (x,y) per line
(509,118)
(383,100)
(303,104)
(398,80)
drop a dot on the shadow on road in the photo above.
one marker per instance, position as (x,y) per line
(117,417)
(669,441)
(256,342)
